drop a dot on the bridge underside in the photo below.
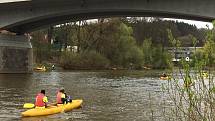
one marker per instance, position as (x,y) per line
(38,23)
(24,17)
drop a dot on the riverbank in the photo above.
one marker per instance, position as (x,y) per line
(116,72)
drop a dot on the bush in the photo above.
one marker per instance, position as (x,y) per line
(84,60)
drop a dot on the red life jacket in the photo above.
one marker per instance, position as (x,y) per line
(39,100)
(59,101)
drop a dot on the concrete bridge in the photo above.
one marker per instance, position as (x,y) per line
(24,17)
(21,17)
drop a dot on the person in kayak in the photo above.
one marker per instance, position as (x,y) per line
(41,100)
(61,97)
(164,75)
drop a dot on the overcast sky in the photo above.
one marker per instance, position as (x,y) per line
(199,24)
(4,1)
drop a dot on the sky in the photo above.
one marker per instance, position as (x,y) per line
(199,24)
(5,1)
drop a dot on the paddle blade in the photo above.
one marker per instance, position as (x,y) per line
(28,105)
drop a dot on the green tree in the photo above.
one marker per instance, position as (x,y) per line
(147,52)
(127,51)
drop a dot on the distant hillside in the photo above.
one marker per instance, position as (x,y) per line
(156,29)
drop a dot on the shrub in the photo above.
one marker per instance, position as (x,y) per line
(84,60)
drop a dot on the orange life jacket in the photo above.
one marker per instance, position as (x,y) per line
(59,101)
(39,100)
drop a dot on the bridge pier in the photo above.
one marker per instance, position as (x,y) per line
(16,54)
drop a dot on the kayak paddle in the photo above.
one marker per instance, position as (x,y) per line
(28,105)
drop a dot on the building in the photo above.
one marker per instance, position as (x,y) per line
(182,53)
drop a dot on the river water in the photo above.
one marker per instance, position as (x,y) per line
(107,95)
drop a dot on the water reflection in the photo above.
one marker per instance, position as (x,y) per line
(107,95)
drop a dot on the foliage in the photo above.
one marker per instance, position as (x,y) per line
(42,50)
(209,50)
(161,58)
(65,35)
(84,60)
(154,28)
(114,40)
(192,93)
(126,51)
(155,56)
(123,41)
(147,52)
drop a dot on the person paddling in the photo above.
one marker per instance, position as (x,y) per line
(41,100)
(164,75)
(62,98)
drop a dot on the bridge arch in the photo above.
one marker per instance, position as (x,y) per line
(27,16)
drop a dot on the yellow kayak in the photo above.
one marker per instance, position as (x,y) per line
(53,109)
(164,78)
(43,68)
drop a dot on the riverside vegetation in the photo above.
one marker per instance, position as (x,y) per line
(121,43)
(191,93)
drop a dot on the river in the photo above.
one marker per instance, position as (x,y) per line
(107,95)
